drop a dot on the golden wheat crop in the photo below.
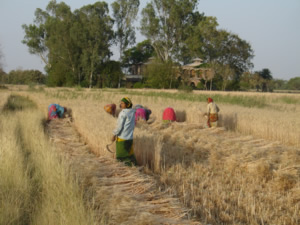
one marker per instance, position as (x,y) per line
(244,172)
(36,185)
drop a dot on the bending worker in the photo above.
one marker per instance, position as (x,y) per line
(169,115)
(56,111)
(212,113)
(123,134)
(111,109)
(142,113)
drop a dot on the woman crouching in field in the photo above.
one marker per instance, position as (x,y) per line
(212,113)
(142,113)
(123,134)
(56,111)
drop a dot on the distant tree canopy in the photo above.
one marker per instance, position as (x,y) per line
(25,77)
(265,79)
(109,74)
(293,84)
(179,33)
(137,54)
(75,46)
(165,23)
(3,75)
(72,44)
(160,74)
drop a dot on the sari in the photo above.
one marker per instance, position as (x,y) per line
(140,114)
(124,152)
(212,120)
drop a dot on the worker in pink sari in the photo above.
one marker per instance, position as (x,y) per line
(140,114)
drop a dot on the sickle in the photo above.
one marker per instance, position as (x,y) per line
(107,147)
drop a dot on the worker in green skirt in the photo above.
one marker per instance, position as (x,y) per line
(123,134)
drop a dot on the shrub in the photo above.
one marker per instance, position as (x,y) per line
(138,85)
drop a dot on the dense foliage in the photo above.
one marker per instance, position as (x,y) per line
(76,46)
(72,44)
(25,77)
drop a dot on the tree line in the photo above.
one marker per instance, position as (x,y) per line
(76,45)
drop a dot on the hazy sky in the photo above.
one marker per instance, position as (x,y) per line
(272,27)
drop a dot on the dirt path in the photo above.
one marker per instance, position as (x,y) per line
(122,195)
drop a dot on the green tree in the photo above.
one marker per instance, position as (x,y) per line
(124,14)
(225,72)
(265,74)
(246,81)
(71,44)
(94,38)
(279,84)
(218,46)
(109,73)
(26,77)
(3,75)
(50,38)
(294,84)
(202,39)
(137,54)
(232,51)
(160,74)
(62,49)
(266,77)
(164,23)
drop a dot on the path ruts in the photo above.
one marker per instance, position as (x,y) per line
(124,195)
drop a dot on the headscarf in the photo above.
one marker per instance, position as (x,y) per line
(127,101)
(210,100)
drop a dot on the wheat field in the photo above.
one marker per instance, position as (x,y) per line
(246,171)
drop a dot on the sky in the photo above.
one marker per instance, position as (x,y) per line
(272,27)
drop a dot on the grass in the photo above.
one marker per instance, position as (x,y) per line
(289,100)
(245,101)
(15,103)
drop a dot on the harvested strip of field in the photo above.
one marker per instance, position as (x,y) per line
(121,194)
(224,177)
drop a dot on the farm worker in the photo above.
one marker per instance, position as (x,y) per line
(169,115)
(110,108)
(123,134)
(142,113)
(56,111)
(212,113)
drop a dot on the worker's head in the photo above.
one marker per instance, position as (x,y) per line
(125,103)
(209,100)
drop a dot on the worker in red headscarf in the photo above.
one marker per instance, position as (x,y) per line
(212,113)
